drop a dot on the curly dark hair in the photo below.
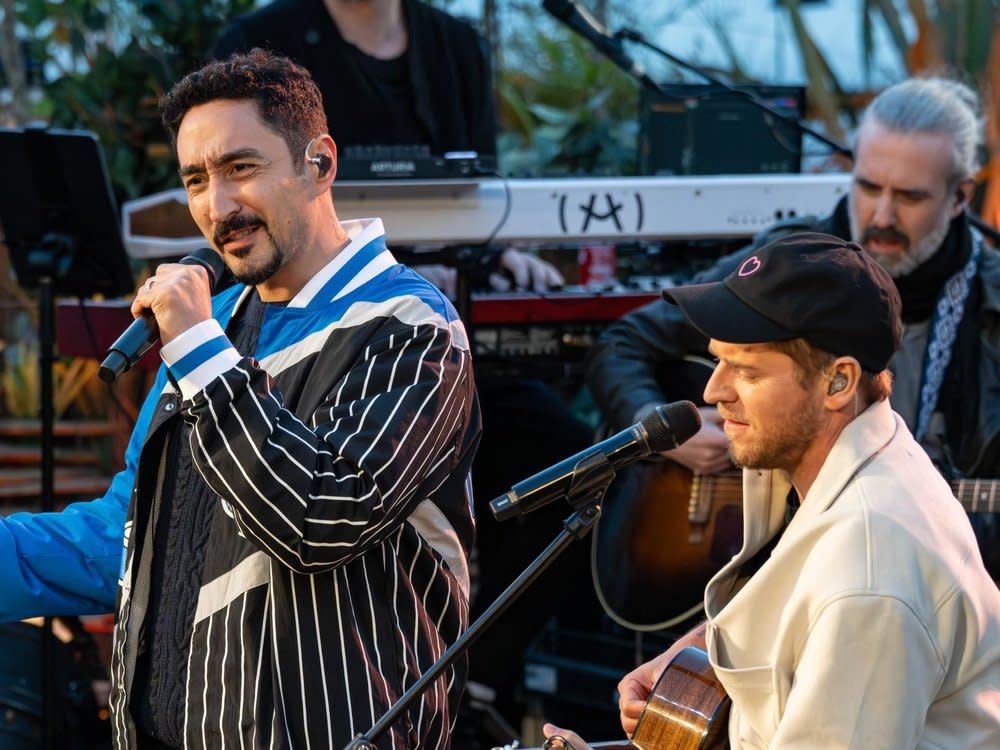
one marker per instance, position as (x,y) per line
(288,99)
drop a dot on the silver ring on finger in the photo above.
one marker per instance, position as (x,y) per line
(557,742)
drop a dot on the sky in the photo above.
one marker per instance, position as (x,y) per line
(762,36)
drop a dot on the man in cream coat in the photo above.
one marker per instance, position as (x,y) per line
(858,613)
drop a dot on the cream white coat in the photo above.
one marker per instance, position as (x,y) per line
(873,624)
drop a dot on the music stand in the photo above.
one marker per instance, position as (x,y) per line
(61,228)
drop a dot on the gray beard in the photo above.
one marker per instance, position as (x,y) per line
(916,255)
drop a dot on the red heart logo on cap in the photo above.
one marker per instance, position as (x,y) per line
(750,266)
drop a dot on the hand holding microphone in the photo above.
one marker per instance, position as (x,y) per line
(178,297)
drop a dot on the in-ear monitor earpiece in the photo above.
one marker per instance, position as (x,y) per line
(837,383)
(322,163)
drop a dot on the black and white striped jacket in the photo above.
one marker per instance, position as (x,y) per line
(340,454)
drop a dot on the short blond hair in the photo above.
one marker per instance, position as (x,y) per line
(811,363)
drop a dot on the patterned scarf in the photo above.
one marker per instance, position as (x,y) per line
(942,282)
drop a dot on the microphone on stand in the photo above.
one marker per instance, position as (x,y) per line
(584,24)
(662,429)
(143,332)
(582,479)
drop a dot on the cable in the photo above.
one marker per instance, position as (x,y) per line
(979,223)
(635,36)
(508,200)
(609,610)
(770,121)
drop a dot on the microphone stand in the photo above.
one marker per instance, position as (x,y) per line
(979,223)
(610,45)
(585,497)
(634,36)
(50,261)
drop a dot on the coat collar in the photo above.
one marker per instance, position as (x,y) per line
(364,257)
(765,491)
(857,444)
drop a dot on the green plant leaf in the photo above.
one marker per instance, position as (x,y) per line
(552,115)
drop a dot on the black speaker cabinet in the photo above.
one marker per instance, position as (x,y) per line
(705,129)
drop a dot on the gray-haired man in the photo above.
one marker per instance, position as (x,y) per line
(915,157)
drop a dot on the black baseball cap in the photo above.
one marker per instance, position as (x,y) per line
(805,285)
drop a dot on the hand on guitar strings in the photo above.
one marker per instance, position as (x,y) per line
(708,451)
(562,739)
(635,687)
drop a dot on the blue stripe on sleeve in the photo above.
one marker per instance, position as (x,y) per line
(199,355)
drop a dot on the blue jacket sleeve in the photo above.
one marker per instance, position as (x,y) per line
(68,563)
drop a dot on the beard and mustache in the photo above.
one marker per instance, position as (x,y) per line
(913,255)
(779,445)
(250,275)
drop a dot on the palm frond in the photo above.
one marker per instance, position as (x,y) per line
(824,88)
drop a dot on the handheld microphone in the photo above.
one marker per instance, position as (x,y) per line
(662,429)
(584,24)
(143,332)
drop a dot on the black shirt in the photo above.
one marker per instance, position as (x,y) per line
(389,84)
(183,521)
(450,83)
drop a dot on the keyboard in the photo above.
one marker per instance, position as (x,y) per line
(409,162)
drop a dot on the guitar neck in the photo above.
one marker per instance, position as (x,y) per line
(978,495)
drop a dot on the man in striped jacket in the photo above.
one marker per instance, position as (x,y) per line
(295,501)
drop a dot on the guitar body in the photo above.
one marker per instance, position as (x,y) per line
(664,532)
(688,708)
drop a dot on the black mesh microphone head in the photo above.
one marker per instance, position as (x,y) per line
(212,262)
(670,425)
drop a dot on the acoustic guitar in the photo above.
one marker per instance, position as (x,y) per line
(664,531)
(688,709)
